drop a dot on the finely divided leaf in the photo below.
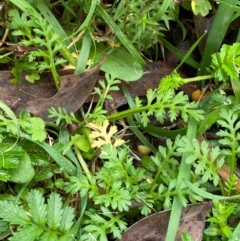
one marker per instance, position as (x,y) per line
(225,64)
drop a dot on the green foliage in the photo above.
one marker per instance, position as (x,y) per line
(103,91)
(152,186)
(9,159)
(98,226)
(229,137)
(46,42)
(24,172)
(226,63)
(140,20)
(218,221)
(34,126)
(186,237)
(206,161)
(119,63)
(38,220)
(15,163)
(61,114)
(201,7)
(175,104)
(173,81)
(111,189)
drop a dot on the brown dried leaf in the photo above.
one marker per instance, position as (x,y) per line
(38,97)
(154,227)
(73,92)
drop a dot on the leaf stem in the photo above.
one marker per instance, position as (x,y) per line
(83,164)
(199,78)
(155,180)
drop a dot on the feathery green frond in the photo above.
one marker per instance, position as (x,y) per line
(38,220)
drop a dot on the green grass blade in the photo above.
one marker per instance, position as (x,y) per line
(208,195)
(84,54)
(236,233)
(184,173)
(133,125)
(179,54)
(221,22)
(161,132)
(123,39)
(24,6)
(64,139)
(48,15)
(61,160)
(236,88)
(11,114)
(131,102)
(187,55)
(66,7)
(87,20)
(162,10)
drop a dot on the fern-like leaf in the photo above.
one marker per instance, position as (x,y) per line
(101,135)
(226,63)
(38,220)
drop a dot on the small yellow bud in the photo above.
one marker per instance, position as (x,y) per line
(144,150)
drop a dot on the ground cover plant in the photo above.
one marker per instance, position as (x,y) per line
(95,173)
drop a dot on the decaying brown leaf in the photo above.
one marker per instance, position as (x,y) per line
(73,91)
(154,227)
(38,97)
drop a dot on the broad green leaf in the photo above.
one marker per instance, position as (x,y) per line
(4,227)
(28,233)
(12,213)
(67,219)
(8,112)
(4,175)
(10,156)
(24,172)
(34,126)
(209,120)
(37,208)
(38,129)
(54,211)
(119,63)
(201,7)
(81,142)
(62,161)
(43,174)
(49,236)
